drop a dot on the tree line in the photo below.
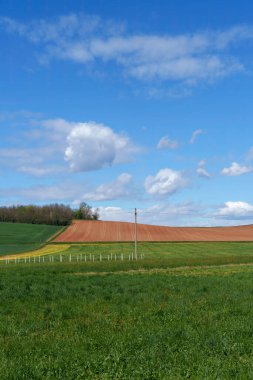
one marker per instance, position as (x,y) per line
(55,214)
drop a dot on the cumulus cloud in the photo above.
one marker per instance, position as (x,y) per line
(46,146)
(122,187)
(92,146)
(167,143)
(201,170)
(236,210)
(195,134)
(165,182)
(188,58)
(236,169)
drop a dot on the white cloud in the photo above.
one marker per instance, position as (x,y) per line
(73,192)
(165,182)
(188,58)
(63,192)
(115,214)
(59,127)
(167,143)
(120,188)
(93,146)
(41,171)
(201,170)
(236,210)
(44,147)
(18,157)
(195,134)
(159,214)
(249,154)
(235,170)
(184,214)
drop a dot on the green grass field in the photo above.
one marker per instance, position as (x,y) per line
(160,255)
(170,254)
(21,237)
(183,312)
(66,321)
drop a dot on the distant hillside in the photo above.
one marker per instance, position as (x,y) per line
(98,231)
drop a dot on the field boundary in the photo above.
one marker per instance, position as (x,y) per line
(164,270)
(54,236)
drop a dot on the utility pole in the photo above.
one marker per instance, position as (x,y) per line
(135,233)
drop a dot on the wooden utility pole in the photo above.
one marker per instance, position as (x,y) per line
(135,234)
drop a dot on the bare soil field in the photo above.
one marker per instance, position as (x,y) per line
(99,231)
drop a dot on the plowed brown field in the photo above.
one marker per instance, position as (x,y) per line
(98,231)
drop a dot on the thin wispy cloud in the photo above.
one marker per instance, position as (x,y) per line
(249,154)
(188,58)
(166,143)
(44,171)
(201,170)
(195,134)
(74,191)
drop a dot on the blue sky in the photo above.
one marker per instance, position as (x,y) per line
(127,104)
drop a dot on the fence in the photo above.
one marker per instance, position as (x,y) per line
(71,258)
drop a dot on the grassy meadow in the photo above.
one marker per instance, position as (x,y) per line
(160,255)
(182,312)
(99,321)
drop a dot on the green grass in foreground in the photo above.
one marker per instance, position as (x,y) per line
(22,237)
(165,254)
(167,317)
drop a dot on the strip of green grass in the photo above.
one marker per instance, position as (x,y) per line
(57,325)
(164,254)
